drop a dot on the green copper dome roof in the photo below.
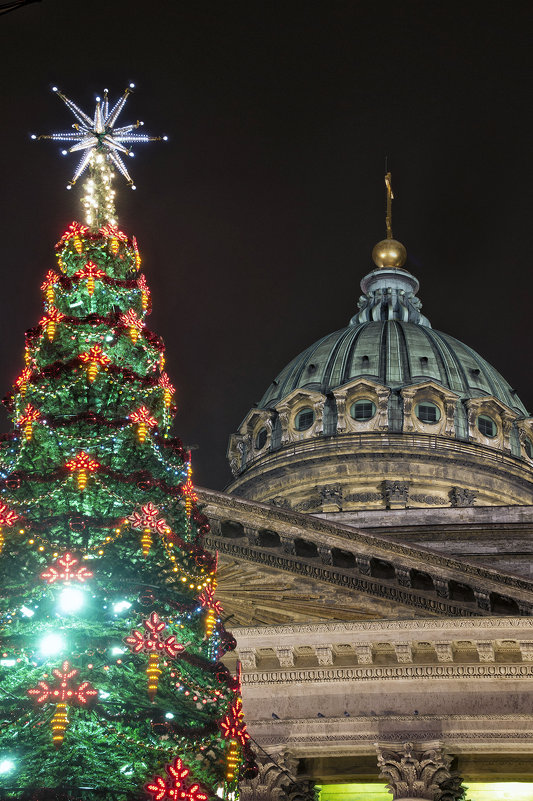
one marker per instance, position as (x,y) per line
(390,342)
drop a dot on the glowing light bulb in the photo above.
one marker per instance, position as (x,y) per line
(103,695)
(33,136)
(71,600)
(52,644)
(165,139)
(121,606)
(169,715)
(132,86)
(55,89)
(116,651)
(26,612)
(6,765)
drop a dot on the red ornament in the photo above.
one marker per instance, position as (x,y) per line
(153,644)
(21,382)
(143,418)
(50,320)
(51,278)
(63,694)
(145,292)
(147,521)
(233,725)
(66,570)
(7,516)
(83,463)
(174,787)
(188,491)
(31,414)
(75,231)
(90,271)
(134,323)
(168,389)
(94,358)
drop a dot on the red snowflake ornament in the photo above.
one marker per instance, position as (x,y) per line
(233,725)
(90,271)
(153,644)
(63,694)
(148,521)
(174,787)
(66,570)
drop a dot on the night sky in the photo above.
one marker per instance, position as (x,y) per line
(257,219)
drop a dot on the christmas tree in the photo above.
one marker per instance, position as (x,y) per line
(111,636)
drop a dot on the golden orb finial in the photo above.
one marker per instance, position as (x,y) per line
(389,252)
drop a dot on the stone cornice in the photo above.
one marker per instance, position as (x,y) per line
(325,535)
(219,504)
(493,627)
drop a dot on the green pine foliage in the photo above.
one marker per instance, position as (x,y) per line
(93,373)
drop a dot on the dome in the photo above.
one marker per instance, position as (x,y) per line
(385,413)
(395,354)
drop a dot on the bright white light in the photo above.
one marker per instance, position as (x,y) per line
(8,662)
(64,152)
(127,770)
(120,606)
(71,600)
(6,765)
(26,612)
(33,136)
(169,715)
(165,139)
(69,186)
(132,86)
(97,99)
(103,695)
(55,89)
(52,644)
(110,338)
(133,186)
(220,792)
(116,651)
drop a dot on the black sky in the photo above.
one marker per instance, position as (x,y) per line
(257,219)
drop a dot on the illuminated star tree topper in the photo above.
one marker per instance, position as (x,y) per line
(102,146)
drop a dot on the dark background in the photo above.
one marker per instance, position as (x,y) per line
(257,219)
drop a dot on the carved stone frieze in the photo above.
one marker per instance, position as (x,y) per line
(396,494)
(324,654)
(331,495)
(460,496)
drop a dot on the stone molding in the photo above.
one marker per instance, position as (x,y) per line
(358,734)
(399,672)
